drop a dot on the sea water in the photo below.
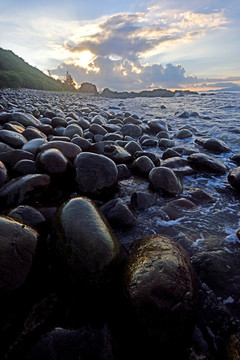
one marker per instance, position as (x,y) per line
(215,115)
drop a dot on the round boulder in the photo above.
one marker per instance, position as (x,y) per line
(132,130)
(183,134)
(3,174)
(95,173)
(52,162)
(204,163)
(17,248)
(118,213)
(84,243)
(27,215)
(142,165)
(234,178)
(164,180)
(216,146)
(159,285)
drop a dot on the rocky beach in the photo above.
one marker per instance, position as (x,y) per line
(120,228)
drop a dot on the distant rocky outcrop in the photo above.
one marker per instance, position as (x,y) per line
(88,88)
(145,93)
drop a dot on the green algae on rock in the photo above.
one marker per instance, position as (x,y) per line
(85,243)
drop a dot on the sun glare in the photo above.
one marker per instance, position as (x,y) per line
(84,58)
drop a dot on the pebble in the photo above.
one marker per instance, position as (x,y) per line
(75,170)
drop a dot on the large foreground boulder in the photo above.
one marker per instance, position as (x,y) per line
(85,244)
(160,287)
(95,174)
(17,248)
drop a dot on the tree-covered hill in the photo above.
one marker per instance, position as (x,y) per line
(16,73)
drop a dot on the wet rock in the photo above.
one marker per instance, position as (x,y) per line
(135,131)
(10,158)
(149,143)
(33,145)
(123,172)
(72,130)
(166,143)
(32,133)
(68,149)
(143,200)
(118,154)
(12,138)
(200,196)
(184,114)
(17,249)
(97,129)
(118,213)
(14,127)
(163,135)
(157,125)
(52,162)
(4,147)
(58,121)
(160,287)
(25,167)
(176,209)
(179,165)
(27,215)
(218,269)
(84,343)
(23,188)
(238,234)
(26,119)
(85,244)
(49,114)
(113,136)
(95,173)
(164,180)
(183,134)
(132,147)
(155,159)
(170,153)
(236,158)
(83,143)
(233,347)
(182,150)
(142,165)
(3,174)
(205,163)
(216,146)
(132,120)
(234,178)
(98,119)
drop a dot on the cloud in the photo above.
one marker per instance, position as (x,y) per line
(132,35)
(121,44)
(127,75)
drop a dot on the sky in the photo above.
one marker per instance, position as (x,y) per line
(128,45)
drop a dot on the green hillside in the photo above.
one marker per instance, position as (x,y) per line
(16,73)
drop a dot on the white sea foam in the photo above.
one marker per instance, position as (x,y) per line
(229,300)
(198,242)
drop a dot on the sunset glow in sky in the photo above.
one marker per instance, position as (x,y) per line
(128,45)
